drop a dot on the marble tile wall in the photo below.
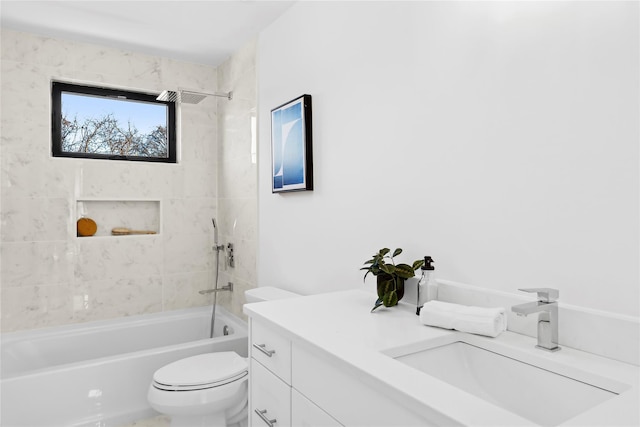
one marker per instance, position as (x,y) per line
(237,173)
(48,276)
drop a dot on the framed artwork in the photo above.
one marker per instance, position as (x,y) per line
(291,154)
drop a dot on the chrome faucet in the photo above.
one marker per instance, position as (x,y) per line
(547,306)
(228,287)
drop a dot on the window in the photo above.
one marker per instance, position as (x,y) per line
(100,123)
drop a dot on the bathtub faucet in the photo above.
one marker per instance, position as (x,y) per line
(229,288)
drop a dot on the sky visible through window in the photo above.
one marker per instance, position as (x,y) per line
(145,116)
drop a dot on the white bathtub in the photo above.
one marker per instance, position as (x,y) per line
(97,374)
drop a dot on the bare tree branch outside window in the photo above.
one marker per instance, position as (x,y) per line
(104,135)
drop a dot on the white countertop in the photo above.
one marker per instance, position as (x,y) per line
(341,324)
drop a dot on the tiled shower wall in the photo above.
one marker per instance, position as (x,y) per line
(48,275)
(237,173)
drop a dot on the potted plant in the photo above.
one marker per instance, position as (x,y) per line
(390,276)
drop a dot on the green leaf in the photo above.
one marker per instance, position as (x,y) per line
(417,264)
(397,252)
(386,286)
(377,304)
(390,299)
(405,271)
(384,251)
(388,268)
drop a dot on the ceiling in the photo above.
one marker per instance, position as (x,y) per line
(205,31)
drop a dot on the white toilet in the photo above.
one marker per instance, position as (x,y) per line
(208,389)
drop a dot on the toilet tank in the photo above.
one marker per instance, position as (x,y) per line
(267,293)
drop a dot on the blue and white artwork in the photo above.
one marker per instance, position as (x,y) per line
(291,145)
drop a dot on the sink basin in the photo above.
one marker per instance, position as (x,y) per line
(534,388)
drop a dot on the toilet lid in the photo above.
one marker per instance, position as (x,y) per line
(201,371)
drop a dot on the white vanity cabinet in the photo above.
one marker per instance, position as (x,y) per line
(273,400)
(326,360)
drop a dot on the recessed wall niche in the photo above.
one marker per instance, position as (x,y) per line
(140,217)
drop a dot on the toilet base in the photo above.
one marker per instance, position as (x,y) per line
(217,420)
(235,416)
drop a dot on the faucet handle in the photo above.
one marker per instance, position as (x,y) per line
(544,294)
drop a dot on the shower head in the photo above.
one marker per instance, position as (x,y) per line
(184,96)
(181,97)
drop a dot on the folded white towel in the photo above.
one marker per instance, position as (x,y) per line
(475,320)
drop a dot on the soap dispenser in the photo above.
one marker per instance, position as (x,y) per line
(427,286)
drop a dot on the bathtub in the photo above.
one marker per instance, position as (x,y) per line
(97,374)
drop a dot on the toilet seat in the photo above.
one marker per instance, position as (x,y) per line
(201,372)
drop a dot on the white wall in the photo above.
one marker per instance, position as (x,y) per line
(500,138)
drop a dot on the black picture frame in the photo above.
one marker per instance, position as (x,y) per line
(291,146)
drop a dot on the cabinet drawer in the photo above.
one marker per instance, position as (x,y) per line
(305,413)
(272,350)
(270,397)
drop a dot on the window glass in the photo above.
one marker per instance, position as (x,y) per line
(92,122)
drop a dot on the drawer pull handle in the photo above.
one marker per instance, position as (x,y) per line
(260,347)
(263,417)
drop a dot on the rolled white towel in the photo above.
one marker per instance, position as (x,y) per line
(475,320)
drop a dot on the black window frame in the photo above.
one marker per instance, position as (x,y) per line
(57,88)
